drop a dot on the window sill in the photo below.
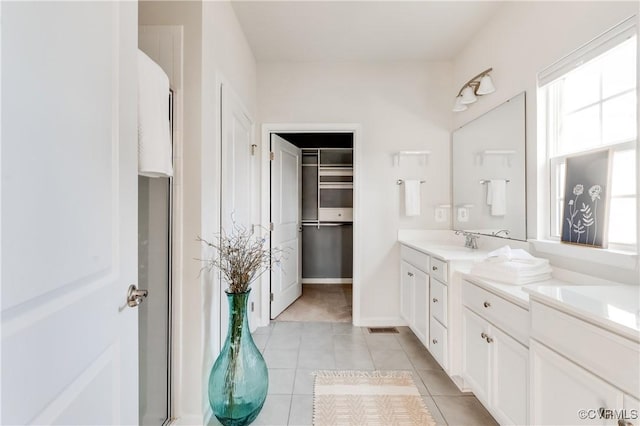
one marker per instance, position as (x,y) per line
(615,258)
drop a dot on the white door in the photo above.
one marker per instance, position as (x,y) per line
(560,390)
(237,177)
(421,305)
(406,292)
(69,213)
(475,354)
(286,171)
(509,379)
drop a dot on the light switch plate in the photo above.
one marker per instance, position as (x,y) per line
(441,214)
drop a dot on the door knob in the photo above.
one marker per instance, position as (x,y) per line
(135,296)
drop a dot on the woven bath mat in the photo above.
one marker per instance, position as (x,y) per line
(385,398)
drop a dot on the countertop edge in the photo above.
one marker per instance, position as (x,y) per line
(419,246)
(585,316)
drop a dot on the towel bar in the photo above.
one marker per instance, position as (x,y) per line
(400,181)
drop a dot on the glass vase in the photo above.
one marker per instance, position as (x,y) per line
(239,379)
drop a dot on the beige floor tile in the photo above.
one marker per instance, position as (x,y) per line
(463,411)
(434,410)
(439,383)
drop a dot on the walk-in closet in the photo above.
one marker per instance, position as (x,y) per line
(326,227)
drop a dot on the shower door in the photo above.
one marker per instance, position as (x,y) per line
(154,274)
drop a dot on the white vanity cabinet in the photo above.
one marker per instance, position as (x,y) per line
(494,353)
(414,292)
(429,297)
(578,365)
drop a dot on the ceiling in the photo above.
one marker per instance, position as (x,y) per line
(360,30)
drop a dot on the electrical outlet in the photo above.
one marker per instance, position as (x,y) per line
(463,214)
(441,214)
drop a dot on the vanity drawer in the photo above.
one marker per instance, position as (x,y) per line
(335,214)
(439,301)
(605,354)
(438,342)
(416,258)
(438,269)
(509,317)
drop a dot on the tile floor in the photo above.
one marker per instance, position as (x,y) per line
(294,350)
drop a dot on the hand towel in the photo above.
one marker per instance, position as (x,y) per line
(412,197)
(154,130)
(506,253)
(497,196)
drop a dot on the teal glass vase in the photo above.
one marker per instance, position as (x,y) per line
(239,379)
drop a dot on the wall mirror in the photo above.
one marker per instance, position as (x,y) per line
(489,173)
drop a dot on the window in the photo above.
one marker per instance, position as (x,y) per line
(588,102)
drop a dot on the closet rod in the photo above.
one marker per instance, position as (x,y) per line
(327,224)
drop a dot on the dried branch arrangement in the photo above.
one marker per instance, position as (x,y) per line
(241,257)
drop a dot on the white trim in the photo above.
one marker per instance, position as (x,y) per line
(327,281)
(354,128)
(615,258)
(588,51)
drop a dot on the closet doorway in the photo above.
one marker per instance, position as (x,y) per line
(311,211)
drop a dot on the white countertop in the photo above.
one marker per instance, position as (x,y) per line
(445,251)
(613,307)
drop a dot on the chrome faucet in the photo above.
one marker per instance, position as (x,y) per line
(497,233)
(470,239)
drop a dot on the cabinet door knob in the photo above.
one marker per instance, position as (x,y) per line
(486,304)
(483,335)
(435,300)
(435,268)
(410,274)
(489,339)
(435,341)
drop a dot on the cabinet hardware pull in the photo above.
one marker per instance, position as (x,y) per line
(486,304)
(410,274)
(435,300)
(483,335)
(435,341)
(435,268)
(489,339)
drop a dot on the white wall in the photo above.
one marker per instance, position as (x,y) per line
(401,106)
(520,41)
(215,51)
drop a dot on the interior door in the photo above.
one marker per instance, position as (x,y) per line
(238,172)
(286,172)
(69,212)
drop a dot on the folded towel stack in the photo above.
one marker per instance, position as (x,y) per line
(513,266)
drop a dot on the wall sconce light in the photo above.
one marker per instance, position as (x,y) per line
(479,85)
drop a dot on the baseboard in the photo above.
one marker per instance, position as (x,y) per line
(192,420)
(381,322)
(327,281)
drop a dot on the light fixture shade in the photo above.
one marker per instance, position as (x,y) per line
(486,86)
(459,106)
(468,97)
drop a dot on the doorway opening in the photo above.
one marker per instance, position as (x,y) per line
(311,209)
